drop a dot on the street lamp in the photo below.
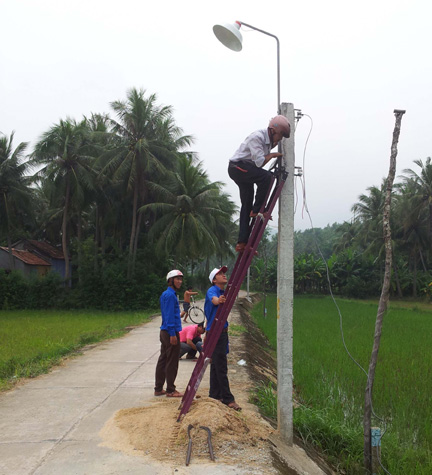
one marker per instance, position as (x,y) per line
(229,35)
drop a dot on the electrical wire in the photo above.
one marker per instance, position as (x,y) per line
(299,115)
(305,208)
(296,199)
(303,178)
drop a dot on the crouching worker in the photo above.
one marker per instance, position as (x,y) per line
(167,365)
(219,384)
(190,340)
(246,169)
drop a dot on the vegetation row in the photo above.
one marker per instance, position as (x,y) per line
(330,387)
(126,199)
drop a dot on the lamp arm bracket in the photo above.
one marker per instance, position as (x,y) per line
(261,31)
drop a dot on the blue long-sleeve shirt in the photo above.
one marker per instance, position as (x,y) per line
(170,308)
(209,308)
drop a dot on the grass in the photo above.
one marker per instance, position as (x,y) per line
(330,387)
(236,330)
(265,398)
(31,342)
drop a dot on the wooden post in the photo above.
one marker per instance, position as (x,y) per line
(383,302)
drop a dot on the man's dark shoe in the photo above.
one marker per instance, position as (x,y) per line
(160,393)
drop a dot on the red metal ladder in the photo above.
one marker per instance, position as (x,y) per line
(238,274)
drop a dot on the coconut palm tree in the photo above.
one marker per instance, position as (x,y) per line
(347,233)
(412,227)
(104,194)
(188,212)
(147,142)
(369,211)
(15,194)
(422,188)
(68,170)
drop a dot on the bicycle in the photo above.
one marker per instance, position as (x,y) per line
(195,313)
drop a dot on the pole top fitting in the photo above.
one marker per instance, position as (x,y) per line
(399,111)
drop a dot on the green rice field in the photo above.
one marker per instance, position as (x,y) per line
(31,342)
(330,387)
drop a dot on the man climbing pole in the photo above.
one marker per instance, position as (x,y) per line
(246,169)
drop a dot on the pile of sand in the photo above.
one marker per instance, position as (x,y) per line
(154,431)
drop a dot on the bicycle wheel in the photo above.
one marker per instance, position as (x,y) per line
(196,315)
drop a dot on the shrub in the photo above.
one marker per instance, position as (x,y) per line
(13,290)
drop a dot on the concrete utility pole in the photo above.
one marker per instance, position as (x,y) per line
(229,35)
(285,287)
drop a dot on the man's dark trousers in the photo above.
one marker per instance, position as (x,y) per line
(245,175)
(191,353)
(219,384)
(167,365)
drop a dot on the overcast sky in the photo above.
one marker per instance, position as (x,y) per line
(346,64)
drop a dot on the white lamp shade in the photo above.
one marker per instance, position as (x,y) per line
(229,35)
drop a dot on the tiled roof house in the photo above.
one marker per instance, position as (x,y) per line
(46,251)
(25,261)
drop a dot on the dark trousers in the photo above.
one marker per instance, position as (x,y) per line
(219,384)
(246,175)
(191,353)
(167,365)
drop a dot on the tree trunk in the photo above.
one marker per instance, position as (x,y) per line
(430,222)
(102,241)
(383,302)
(11,258)
(136,242)
(396,274)
(64,231)
(133,230)
(96,241)
(207,266)
(422,260)
(79,238)
(415,276)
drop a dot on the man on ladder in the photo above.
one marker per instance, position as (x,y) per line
(246,169)
(269,197)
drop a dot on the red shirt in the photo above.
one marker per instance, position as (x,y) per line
(189,333)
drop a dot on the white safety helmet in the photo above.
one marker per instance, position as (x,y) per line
(280,124)
(215,271)
(174,273)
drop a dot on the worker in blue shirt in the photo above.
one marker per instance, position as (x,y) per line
(167,365)
(219,384)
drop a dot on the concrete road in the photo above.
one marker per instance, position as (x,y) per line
(50,425)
